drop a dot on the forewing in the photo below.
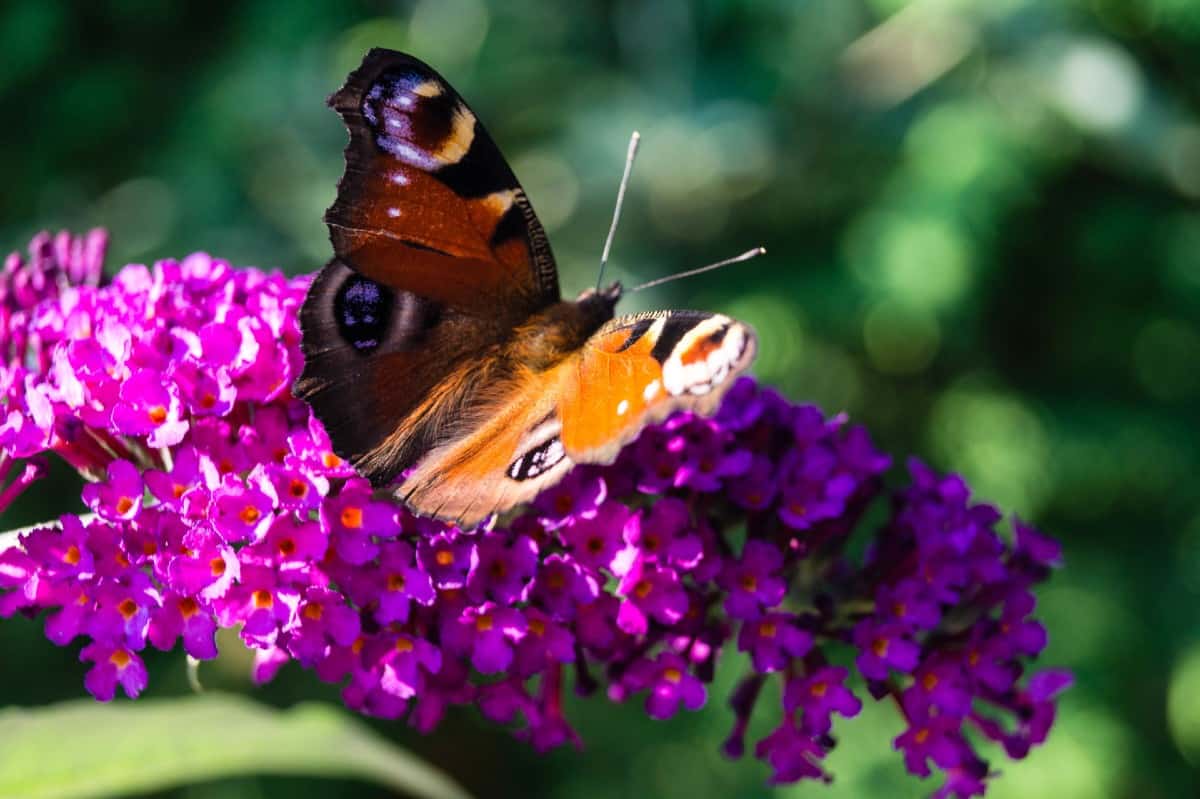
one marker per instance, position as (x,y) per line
(639,369)
(438,257)
(427,203)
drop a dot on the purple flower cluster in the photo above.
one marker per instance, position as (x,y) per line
(216,502)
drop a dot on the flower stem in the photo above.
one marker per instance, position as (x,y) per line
(35,469)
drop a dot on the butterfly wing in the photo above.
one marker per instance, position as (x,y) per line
(427,203)
(639,369)
(438,256)
(634,371)
(508,459)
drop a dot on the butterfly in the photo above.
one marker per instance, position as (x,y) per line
(437,348)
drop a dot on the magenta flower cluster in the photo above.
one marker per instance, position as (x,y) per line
(216,502)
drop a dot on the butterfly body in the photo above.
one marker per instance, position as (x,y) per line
(438,349)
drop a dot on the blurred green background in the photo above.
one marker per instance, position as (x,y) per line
(984,243)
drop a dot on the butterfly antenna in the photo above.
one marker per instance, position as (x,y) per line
(737,259)
(612,230)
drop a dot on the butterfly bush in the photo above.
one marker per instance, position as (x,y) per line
(216,502)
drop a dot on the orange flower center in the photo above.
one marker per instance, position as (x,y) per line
(880,646)
(128,608)
(124,505)
(672,674)
(900,610)
(157,414)
(537,627)
(352,517)
(563,504)
(313,612)
(263,598)
(188,607)
(331,461)
(208,400)
(216,566)
(922,735)
(395,582)
(287,547)
(484,622)
(250,514)
(443,557)
(767,629)
(298,488)
(177,490)
(929,681)
(643,588)
(818,689)
(404,645)
(120,658)
(72,556)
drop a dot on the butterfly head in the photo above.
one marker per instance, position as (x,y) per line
(597,306)
(611,295)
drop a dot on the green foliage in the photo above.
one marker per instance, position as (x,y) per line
(82,749)
(983,242)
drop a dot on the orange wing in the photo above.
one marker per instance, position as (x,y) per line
(634,371)
(639,369)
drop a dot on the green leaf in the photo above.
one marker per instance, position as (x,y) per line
(87,749)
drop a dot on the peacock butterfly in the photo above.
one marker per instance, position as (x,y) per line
(437,347)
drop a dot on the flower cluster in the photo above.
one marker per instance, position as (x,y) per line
(216,502)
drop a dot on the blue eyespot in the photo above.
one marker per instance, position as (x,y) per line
(362,309)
